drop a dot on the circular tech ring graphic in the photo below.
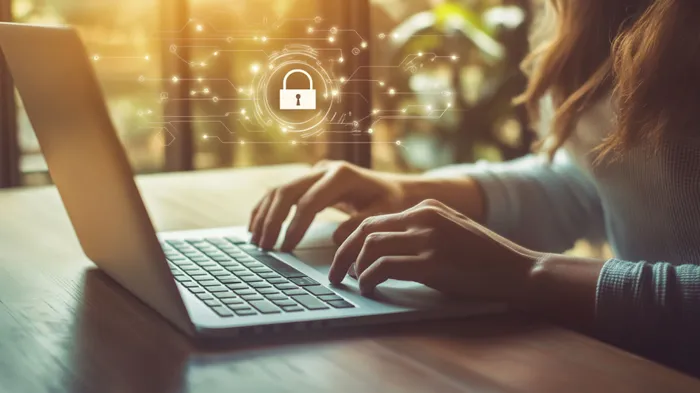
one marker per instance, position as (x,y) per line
(267,85)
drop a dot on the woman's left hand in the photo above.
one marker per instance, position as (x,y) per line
(435,245)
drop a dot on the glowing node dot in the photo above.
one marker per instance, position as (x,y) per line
(340,60)
(200,80)
(202,64)
(216,53)
(205,90)
(342,79)
(247,118)
(243,112)
(331,39)
(395,36)
(242,142)
(375,111)
(240,90)
(449,105)
(255,68)
(200,27)
(454,57)
(398,143)
(334,93)
(96,57)
(363,44)
(392,92)
(215,99)
(264,39)
(193,92)
(381,83)
(294,142)
(255,38)
(420,54)
(147,57)
(175,79)
(284,129)
(429,107)
(310,30)
(271,66)
(206,136)
(370,131)
(404,110)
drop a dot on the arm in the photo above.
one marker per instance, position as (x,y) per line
(651,309)
(541,206)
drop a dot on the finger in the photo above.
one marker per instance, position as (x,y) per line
(348,251)
(346,228)
(322,194)
(380,244)
(404,268)
(257,224)
(285,197)
(254,213)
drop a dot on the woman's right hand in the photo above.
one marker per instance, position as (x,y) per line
(357,191)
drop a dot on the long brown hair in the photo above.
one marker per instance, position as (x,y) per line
(657,71)
(574,65)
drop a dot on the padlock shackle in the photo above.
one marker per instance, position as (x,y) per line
(300,71)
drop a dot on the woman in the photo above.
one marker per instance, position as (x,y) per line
(615,89)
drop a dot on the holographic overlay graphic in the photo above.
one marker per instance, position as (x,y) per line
(269,81)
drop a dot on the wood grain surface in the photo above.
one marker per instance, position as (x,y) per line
(66,327)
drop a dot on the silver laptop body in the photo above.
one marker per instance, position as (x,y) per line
(87,162)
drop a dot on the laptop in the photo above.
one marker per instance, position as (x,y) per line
(208,283)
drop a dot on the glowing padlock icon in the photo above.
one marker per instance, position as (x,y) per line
(297,99)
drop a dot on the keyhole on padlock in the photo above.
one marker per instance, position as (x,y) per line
(298,99)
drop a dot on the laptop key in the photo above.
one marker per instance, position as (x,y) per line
(271,275)
(232,301)
(294,308)
(260,285)
(197,290)
(211,302)
(220,273)
(276,296)
(285,285)
(319,290)
(204,296)
(250,279)
(340,304)
(327,298)
(303,281)
(230,280)
(246,291)
(250,298)
(209,281)
(280,267)
(276,280)
(237,286)
(190,284)
(310,302)
(285,302)
(239,307)
(220,288)
(225,295)
(294,292)
(245,313)
(265,307)
(268,291)
(222,311)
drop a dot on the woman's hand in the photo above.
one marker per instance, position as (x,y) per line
(359,192)
(437,246)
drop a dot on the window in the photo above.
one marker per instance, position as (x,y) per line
(121,38)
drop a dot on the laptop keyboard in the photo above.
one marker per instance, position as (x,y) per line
(237,278)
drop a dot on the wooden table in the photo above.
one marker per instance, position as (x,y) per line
(66,327)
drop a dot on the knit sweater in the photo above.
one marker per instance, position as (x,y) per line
(645,204)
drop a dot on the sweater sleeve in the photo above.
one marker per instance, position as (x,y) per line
(651,309)
(540,205)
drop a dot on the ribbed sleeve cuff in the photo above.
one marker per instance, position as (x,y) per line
(617,295)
